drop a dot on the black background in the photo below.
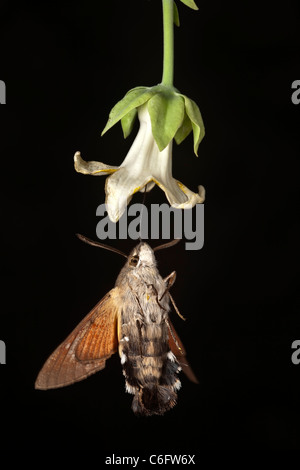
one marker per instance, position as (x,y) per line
(65,64)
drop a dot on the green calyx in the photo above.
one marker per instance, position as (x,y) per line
(190,3)
(173,115)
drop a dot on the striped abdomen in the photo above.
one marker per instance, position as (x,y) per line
(149,367)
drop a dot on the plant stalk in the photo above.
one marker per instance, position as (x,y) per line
(168,60)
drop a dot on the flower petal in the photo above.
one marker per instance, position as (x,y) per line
(160,166)
(191,198)
(92,168)
(119,189)
(148,187)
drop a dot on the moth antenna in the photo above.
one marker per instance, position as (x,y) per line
(175,307)
(167,245)
(100,245)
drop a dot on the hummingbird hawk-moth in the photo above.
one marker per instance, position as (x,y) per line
(133,318)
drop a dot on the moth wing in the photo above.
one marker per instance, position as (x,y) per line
(86,349)
(179,351)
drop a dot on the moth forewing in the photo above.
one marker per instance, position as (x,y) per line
(86,349)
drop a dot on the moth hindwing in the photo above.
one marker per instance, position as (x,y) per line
(133,317)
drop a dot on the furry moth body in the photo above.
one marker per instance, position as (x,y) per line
(134,318)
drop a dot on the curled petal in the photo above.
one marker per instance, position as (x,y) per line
(184,198)
(193,198)
(92,168)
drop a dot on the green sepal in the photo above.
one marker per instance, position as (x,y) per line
(127,122)
(190,4)
(193,112)
(173,115)
(176,15)
(133,99)
(184,130)
(166,110)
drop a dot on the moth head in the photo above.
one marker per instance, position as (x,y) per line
(142,255)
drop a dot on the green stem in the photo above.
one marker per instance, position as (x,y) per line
(168,22)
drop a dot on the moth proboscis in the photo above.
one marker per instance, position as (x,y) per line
(133,318)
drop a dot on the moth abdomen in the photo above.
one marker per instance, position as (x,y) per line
(153,399)
(151,377)
(169,373)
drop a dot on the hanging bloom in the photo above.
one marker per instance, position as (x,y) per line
(165,115)
(144,166)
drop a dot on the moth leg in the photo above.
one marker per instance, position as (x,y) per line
(169,280)
(176,308)
(156,296)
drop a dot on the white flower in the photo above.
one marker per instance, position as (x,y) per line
(144,166)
